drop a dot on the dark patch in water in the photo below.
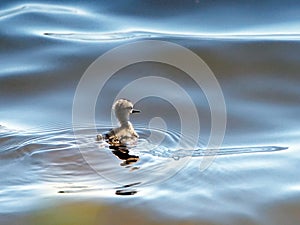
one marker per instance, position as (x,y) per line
(124,192)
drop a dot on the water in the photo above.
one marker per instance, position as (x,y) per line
(48,174)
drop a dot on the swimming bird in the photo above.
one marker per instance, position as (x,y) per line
(125,132)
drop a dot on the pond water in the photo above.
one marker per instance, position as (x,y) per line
(55,172)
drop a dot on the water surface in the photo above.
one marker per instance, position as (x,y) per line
(251,48)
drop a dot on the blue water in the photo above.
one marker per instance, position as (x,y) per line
(49,174)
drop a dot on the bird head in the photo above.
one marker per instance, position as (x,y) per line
(123,108)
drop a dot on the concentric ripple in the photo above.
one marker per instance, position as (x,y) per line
(154,158)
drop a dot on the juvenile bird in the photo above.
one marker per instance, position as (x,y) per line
(125,132)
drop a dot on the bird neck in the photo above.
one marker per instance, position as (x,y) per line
(122,117)
(124,123)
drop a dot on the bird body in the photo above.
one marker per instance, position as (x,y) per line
(125,132)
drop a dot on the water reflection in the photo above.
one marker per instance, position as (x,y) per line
(125,191)
(122,152)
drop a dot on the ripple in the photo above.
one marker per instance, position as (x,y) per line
(49,163)
(102,37)
(40,8)
(167,147)
(138,35)
(177,154)
(156,156)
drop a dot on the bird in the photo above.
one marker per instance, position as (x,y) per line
(125,132)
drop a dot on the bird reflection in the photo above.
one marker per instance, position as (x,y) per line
(122,152)
(119,149)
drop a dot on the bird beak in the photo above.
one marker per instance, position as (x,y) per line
(135,111)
